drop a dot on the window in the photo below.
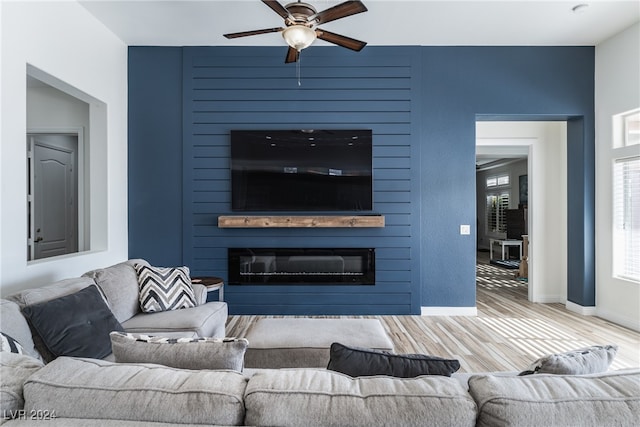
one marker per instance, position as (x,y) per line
(632,128)
(497,181)
(626,217)
(626,129)
(497,204)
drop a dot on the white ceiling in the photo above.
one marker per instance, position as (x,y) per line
(407,22)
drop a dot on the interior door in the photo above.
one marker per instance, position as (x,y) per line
(54,210)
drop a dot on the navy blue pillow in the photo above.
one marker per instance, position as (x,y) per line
(361,362)
(74,325)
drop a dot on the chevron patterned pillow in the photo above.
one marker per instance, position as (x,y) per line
(164,288)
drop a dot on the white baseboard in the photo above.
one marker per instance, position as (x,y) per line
(549,299)
(619,320)
(449,311)
(580,309)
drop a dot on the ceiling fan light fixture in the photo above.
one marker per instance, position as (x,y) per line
(299,36)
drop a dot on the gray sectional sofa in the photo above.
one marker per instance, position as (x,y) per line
(72,391)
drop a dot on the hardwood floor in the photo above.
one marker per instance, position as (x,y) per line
(507,335)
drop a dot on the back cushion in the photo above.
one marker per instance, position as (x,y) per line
(119,283)
(315,397)
(54,290)
(558,400)
(96,389)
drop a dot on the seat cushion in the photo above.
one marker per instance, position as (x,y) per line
(315,397)
(305,343)
(96,389)
(207,320)
(119,283)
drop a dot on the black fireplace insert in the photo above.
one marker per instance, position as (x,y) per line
(301,266)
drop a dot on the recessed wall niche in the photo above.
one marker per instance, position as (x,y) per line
(66,168)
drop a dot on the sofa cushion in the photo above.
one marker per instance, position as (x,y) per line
(74,325)
(119,283)
(316,397)
(558,400)
(96,389)
(360,362)
(207,320)
(187,353)
(589,360)
(15,325)
(164,288)
(51,291)
(14,370)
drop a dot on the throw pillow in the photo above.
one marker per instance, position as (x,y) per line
(589,360)
(360,362)
(74,325)
(163,289)
(185,353)
(9,344)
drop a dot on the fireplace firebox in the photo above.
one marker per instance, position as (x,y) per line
(301,266)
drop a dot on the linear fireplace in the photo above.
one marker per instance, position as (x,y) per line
(301,266)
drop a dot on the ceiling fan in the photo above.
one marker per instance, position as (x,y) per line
(300,29)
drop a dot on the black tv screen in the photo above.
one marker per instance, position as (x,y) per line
(301,170)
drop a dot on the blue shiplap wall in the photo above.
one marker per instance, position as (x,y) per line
(227,88)
(420,102)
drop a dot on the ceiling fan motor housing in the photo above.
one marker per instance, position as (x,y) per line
(300,12)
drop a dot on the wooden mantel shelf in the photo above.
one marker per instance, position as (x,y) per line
(281,221)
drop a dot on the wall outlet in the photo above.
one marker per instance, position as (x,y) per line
(465,229)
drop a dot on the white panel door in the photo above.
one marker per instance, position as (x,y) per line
(55,211)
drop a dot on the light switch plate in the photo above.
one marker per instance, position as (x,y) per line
(465,229)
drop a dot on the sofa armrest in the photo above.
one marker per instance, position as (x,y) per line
(200,292)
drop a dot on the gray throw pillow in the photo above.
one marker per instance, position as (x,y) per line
(74,325)
(360,362)
(589,360)
(184,353)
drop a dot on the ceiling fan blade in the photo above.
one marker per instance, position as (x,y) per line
(253,33)
(342,10)
(292,55)
(340,40)
(277,8)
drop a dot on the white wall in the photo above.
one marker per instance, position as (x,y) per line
(65,41)
(617,90)
(547,213)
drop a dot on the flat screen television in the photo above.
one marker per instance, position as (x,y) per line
(301,170)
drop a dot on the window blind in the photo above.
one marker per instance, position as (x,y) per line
(626,214)
(497,204)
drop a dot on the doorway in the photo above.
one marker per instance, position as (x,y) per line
(52,194)
(544,145)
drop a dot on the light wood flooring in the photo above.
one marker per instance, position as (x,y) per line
(507,335)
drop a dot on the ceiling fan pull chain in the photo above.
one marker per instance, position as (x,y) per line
(298,68)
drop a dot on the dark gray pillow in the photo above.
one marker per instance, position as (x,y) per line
(186,353)
(74,325)
(583,361)
(361,362)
